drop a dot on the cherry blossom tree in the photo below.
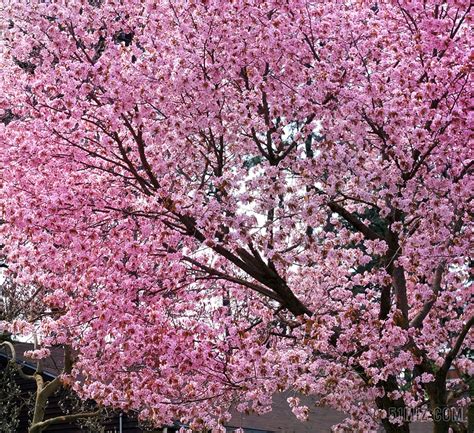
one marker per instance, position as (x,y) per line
(229,199)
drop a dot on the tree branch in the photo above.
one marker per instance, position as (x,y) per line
(260,289)
(41,426)
(355,222)
(418,320)
(457,346)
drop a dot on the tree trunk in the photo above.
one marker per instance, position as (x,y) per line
(40,402)
(440,420)
(395,408)
(470,410)
(43,392)
(438,399)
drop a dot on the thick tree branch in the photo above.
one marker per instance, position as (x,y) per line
(253,266)
(41,426)
(354,221)
(457,345)
(221,275)
(398,276)
(418,319)
(138,137)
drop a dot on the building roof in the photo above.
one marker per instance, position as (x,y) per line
(52,366)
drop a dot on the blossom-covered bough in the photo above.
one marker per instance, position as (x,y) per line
(229,199)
